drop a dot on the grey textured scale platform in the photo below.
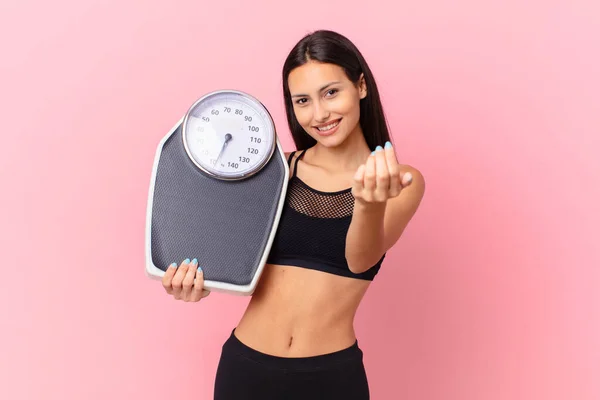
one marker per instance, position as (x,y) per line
(216,193)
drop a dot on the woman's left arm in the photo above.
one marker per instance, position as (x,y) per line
(387,196)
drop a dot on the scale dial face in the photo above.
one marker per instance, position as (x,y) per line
(229,134)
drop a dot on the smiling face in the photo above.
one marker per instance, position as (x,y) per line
(326,103)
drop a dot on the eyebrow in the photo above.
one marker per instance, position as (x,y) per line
(320,90)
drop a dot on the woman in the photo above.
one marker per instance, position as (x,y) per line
(346,206)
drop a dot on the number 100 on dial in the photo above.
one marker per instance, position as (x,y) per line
(229,134)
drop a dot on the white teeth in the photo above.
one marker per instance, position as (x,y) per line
(328,127)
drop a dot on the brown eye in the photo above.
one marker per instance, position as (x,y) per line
(300,101)
(331,92)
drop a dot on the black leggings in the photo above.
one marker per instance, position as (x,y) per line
(247,374)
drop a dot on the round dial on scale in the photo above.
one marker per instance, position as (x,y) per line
(229,134)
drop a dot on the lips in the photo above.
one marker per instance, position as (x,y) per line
(328,128)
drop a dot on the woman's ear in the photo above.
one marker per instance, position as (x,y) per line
(362,86)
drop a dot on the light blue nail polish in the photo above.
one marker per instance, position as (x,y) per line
(186,261)
(174,265)
(373,153)
(388,145)
(199,268)
(194,261)
(378,148)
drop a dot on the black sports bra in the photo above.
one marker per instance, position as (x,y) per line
(312,229)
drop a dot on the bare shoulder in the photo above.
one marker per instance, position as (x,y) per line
(410,197)
(418,180)
(401,209)
(405,205)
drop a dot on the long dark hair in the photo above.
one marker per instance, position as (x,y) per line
(333,48)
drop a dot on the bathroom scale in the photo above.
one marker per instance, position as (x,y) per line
(217,191)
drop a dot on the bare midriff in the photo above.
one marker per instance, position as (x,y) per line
(299,312)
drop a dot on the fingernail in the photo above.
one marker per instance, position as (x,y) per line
(373,153)
(186,261)
(194,261)
(378,148)
(199,268)
(388,145)
(408,177)
(174,265)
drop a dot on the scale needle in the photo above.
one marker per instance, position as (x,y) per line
(228,137)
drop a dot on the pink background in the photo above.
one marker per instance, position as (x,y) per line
(493,292)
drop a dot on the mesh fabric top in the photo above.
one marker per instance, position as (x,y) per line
(313,227)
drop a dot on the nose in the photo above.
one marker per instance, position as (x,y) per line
(321,113)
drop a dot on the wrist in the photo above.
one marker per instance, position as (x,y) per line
(369,207)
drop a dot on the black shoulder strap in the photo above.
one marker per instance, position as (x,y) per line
(296,163)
